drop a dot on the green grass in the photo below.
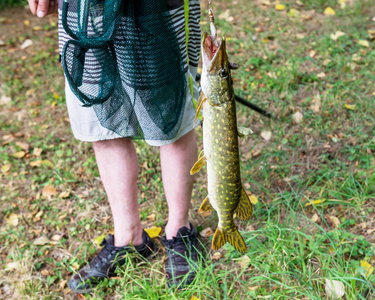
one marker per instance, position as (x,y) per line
(288,64)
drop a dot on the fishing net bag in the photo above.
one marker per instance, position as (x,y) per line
(124,61)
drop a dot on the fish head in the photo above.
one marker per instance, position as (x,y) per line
(216,81)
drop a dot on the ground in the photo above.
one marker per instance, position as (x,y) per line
(309,63)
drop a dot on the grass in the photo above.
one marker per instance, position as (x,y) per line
(288,63)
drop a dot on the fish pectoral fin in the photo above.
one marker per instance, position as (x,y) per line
(205,206)
(198,165)
(233,237)
(244,208)
(243,131)
(198,109)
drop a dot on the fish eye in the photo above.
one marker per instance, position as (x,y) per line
(223,73)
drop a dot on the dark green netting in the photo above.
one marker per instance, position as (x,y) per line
(124,60)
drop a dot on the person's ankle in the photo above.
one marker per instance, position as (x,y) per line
(172,228)
(131,236)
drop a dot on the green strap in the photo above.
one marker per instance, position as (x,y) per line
(187,33)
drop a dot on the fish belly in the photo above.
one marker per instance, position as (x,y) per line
(220,142)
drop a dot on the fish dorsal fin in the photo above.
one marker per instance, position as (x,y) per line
(205,206)
(233,237)
(244,208)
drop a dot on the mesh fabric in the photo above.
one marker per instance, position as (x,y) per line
(124,60)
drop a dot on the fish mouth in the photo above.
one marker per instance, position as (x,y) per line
(213,53)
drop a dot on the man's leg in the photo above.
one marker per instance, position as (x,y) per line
(118,167)
(176,161)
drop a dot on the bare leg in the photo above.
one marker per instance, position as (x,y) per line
(118,167)
(176,161)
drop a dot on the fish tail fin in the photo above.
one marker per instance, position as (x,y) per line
(233,237)
(244,208)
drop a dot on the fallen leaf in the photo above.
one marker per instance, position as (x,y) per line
(5,100)
(279,7)
(194,298)
(300,36)
(26,43)
(26,22)
(48,163)
(56,237)
(216,256)
(321,75)
(253,199)
(368,268)
(297,117)
(19,154)
(266,135)
(334,288)
(62,283)
(44,272)
(342,3)
(23,145)
(312,53)
(226,16)
(99,239)
(36,163)
(364,43)
(37,152)
(15,265)
(335,36)
(75,266)
(315,218)
(37,28)
(315,202)
(244,261)
(315,107)
(12,219)
(41,241)
(151,217)
(38,216)
(335,221)
(64,195)
(293,12)
(207,232)
(153,231)
(6,168)
(329,11)
(350,106)
(266,2)
(48,191)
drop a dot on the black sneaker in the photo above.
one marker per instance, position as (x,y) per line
(105,263)
(182,257)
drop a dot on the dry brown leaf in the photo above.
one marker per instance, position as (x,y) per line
(23,145)
(335,221)
(266,135)
(37,152)
(36,163)
(48,191)
(151,217)
(207,232)
(12,219)
(38,216)
(64,195)
(334,289)
(315,218)
(216,256)
(62,283)
(44,272)
(253,288)
(244,261)
(297,117)
(56,237)
(42,240)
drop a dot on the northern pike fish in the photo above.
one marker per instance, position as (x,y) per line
(220,143)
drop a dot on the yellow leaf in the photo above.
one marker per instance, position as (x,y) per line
(6,168)
(369,269)
(350,106)
(364,43)
(37,28)
(36,163)
(19,154)
(153,231)
(55,96)
(329,11)
(279,7)
(293,12)
(253,199)
(47,163)
(12,219)
(75,266)
(342,3)
(26,22)
(99,239)
(64,194)
(48,191)
(194,298)
(315,202)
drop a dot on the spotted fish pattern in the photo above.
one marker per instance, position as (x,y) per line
(220,142)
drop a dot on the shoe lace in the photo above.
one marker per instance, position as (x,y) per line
(104,254)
